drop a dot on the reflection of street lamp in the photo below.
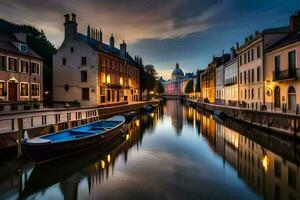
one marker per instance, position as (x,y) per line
(265,163)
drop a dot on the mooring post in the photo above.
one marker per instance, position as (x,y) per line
(20,136)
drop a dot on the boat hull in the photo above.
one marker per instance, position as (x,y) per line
(40,153)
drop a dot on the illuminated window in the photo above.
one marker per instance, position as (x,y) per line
(24,89)
(2,88)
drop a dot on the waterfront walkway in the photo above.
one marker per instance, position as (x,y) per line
(287,124)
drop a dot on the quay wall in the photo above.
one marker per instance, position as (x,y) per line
(280,123)
(64,120)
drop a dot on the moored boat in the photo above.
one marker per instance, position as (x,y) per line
(219,113)
(59,144)
(130,116)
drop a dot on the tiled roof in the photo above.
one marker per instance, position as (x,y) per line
(289,39)
(106,48)
(7,45)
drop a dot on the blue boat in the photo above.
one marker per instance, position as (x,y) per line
(56,145)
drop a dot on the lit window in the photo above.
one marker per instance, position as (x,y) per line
(24,89)
(2,89)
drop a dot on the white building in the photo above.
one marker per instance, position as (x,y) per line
(231,80)
(251,66)
(220,96)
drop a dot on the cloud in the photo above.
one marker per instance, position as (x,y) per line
(132,20)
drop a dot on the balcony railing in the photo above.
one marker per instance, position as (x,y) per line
(285,75)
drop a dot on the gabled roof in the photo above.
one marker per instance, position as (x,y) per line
(7,44)
(106,49)
(289,39)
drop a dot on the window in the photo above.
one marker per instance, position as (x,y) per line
(85,94)
(2,62)
(12,64)
(277,167)
(277,192)
(23,48)
(277,63)
(84,76)
(248,75)
(35,89)
(83,60)
(248,56)
(258,52)
(252,75)
(292,59)
(292,180)
(72,49)
(2,89)
(258,74)
(64,61)
(252,54)
(245,58)
(245,93)
(258,93)
(35,68)
(241,60)
(245,76)
(24,66)
(24,89)
(252,93)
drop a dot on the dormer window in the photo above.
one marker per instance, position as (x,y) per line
(23,48)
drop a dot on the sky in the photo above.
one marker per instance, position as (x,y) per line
(162,32)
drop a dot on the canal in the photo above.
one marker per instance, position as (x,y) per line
(175,152)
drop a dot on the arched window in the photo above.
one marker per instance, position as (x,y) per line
(292,90)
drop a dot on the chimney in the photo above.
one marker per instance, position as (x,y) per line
(233,54)
(112,41)
(100,39)
(123,47)
(237,45)
(73,17)
(21,37)
(88,31)
(70,27)
(295,22)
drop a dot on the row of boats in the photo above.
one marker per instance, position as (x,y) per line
(59,144)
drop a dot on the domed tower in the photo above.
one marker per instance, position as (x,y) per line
(177,73)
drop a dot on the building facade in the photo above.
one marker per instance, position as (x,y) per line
(251,66)
(283,70)
(21,74)
(93,73)
(231,80)
(176,85)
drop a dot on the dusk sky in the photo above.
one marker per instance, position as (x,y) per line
(161,31)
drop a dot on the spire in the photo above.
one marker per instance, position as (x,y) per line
(177,64)
(112,41)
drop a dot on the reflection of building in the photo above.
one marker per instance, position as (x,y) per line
(282,69)
(176,85)
(92,72)
(175,109)
(21,73)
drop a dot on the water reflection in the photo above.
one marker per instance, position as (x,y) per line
(211,159)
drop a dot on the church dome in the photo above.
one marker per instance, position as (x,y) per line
(177,72)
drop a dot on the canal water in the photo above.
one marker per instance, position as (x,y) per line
(175,152)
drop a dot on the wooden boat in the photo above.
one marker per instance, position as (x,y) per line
(59,144)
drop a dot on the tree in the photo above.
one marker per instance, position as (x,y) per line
(147,79)
(189,88)
(198,83)
(159,87)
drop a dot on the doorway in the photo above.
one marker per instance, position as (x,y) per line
(12,91)
(277,97)
(292,99)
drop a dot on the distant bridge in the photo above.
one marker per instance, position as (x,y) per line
(174,97)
